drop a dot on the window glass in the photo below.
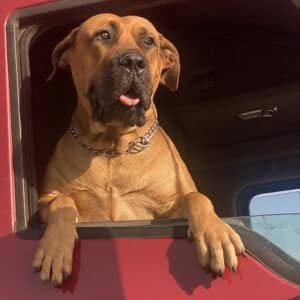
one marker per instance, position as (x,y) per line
(282,230)
(282,202)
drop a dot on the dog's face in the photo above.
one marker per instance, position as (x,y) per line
(117,64)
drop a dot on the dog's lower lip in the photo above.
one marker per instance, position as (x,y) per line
(128,101)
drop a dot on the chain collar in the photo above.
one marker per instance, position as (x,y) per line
(136,146)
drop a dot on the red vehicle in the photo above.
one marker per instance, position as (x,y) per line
(235,121)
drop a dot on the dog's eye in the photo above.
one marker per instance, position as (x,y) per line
(149,41)
(103,35)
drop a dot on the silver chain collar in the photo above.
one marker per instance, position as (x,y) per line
(136,146)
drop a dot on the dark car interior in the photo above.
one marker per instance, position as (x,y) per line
(235,117)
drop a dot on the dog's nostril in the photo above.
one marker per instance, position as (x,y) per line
(141,64)
(133,62)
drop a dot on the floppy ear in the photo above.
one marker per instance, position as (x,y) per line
(171,64)
(59,52)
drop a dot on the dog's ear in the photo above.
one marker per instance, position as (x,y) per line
(171,64)
(59,52)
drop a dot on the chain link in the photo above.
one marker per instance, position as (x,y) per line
(136,146)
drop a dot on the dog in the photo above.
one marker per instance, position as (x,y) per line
(115,162)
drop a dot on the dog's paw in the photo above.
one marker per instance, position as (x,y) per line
(54,256)
(217,245)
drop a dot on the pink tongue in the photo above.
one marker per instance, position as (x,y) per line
(129,101)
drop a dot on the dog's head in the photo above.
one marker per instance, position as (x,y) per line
(117,64)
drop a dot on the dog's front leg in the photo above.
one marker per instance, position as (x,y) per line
(217,243)
(54,255)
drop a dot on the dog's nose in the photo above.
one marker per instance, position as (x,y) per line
(133,62)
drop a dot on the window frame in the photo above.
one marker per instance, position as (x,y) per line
(268,254)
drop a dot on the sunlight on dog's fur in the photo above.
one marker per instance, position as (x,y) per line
(116,163)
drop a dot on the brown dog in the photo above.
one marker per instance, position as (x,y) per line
(116,163)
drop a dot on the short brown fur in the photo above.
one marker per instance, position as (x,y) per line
(155,183)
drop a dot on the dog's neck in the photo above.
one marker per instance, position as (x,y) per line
(111,137)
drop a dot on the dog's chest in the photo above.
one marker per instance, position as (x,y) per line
(118,189)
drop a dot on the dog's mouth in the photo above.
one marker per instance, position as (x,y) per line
(130,98)
(133,107)
(127,106)
(120,98)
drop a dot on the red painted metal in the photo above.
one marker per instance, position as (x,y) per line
(115,269)
(137,269)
